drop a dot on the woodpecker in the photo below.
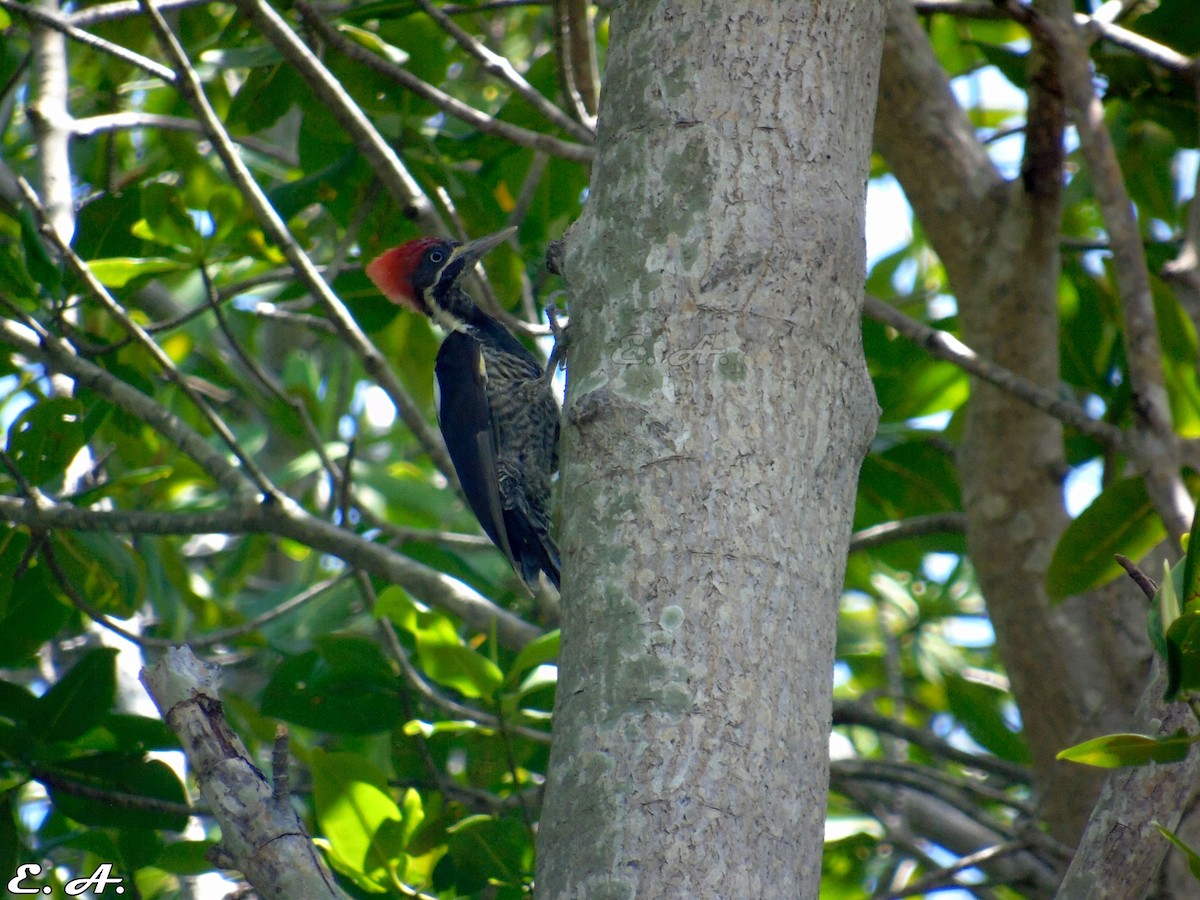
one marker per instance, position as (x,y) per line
(496,409)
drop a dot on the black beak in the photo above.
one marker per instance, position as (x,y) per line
(473,251)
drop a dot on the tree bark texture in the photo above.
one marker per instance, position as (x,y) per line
(718,409)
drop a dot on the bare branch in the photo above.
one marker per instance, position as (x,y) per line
(58,356)
(261,836)
(88,39)
(1151,51)
(125,121)
(1153,442)
(488,124)
(284,518)
(967,9)
(386,164)
(861,714)
(945,346)
(498,66)
(373,362)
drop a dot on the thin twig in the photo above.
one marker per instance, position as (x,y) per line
(944,876)
(370,357)
(270,384)
(1096,26)
(903,529)
(860,714)
(945,346)
(431,694)
(112,799)
(1140,578)
(499,66)
(100,293)
(522,137)
(129,120)
(124,9)
(284,519)
(89,40)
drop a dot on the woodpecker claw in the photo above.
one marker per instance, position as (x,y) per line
(561,338)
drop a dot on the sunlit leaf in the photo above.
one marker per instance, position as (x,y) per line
(353,803)
(1114,750)
(119,271)
(1120,520)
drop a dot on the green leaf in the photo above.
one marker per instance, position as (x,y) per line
(333,694)
(79,700)
(1165,609)
(1183,653)
(126,733)
(978,707)
(116,773)
(103,568)
(40,266)
(1012,64)
(444,726)
(1120,520)
(457,666)
(485,850)
(1193,860)
(374,43)
(165,220)
(1191,564)
(46,436)
(540,650)
(185,857)
(440,651)
(353,804)
(16,702)
(118,271)
(14,545)
(33,616)
(1115,750)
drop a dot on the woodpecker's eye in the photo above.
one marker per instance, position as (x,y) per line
(436,256)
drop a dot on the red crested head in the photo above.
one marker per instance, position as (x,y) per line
(426,271)
(394,271)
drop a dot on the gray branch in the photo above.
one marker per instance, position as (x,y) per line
(306,272)
(946,346)
(285,518)
(261,835)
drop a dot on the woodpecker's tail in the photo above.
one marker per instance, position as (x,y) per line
(541,555)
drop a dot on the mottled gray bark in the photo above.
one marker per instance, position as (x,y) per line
(718,409)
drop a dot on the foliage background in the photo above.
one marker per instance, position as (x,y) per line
(183,365)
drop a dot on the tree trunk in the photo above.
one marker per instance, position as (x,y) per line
(1074,667)
(717,412)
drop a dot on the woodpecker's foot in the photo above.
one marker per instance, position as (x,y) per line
(561,339)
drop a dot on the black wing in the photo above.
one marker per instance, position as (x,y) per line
(465,418)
